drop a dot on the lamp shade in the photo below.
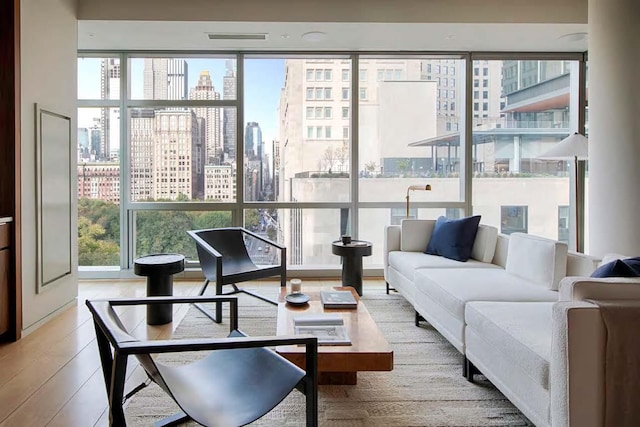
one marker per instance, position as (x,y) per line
(569,148)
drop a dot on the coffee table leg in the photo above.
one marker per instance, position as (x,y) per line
(337,378)
(352,272)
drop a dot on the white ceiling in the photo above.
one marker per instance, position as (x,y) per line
(165,35)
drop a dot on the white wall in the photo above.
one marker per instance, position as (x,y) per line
(48,62)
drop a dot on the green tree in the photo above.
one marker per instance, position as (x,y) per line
(106,214)
(93,249)
(251,217)
(211,220)
(403,165)
(164,232)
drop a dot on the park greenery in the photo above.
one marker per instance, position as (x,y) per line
(155,231)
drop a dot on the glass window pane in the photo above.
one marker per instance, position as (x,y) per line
(98,78)
(298,159)
(176,78)
(527,110)
(371,224)
(182,154)
(403,133)
(98,187)
(166,231)
(306,233)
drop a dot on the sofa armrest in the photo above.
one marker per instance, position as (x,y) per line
(575,288)
(392,235)
(577,384)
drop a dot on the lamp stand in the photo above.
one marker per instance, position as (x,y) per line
(416,187)
(580,169)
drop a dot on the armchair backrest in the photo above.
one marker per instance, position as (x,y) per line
(227,243)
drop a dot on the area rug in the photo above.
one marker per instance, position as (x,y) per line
(425,388)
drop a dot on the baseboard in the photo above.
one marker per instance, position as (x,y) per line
(48,317)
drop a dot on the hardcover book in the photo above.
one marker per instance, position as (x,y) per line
(338,299)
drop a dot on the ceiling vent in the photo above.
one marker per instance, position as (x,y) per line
(237,36)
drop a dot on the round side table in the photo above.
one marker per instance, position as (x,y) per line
(352,254)
(159,270)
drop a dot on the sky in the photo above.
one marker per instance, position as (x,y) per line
(264,79)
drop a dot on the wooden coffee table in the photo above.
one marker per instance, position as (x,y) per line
(369,350)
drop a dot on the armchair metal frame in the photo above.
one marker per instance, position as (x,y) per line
(116,345)
(236,267)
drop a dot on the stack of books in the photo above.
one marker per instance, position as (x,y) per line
(328,328)
(338,299)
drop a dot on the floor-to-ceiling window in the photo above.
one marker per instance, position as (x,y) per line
(304,148)
(409,109)
(98,163)
(520,109)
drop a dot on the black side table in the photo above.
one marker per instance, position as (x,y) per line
(159,270)
(352,254)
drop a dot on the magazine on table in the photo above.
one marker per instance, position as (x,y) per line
(326,334)
(338,299)
(327,327)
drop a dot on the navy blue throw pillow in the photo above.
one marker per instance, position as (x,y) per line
(615,268)
(453,238)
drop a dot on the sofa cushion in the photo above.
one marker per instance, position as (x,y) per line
(536,259)
(453,288)
(453,238)
(408,263)
(415,234)
(617,268)
(485,245)
(522,332)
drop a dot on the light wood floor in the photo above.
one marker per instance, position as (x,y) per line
(52,377)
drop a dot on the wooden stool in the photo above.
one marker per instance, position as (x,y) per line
(159,270)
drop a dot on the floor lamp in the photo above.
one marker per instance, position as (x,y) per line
(574,147)
(416,187)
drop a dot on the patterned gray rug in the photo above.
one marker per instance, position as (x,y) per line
(425,388)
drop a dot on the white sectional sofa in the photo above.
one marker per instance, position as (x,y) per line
(516,310)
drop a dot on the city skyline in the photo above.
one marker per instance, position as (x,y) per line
(263,81)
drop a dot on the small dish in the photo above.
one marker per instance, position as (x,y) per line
(297,299)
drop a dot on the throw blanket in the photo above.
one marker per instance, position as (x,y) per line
(622,362)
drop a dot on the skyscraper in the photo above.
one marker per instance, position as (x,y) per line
(211,117)
(109,89)
(175,158)
(165,78)
(229,120)
(253,161)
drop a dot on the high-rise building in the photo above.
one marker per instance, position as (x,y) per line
(96,138)
(110,117)
(229,114)
(211,117)
(165,78)
(253,161)
(253,141)
(142,137)
(176,156)
(220,182)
